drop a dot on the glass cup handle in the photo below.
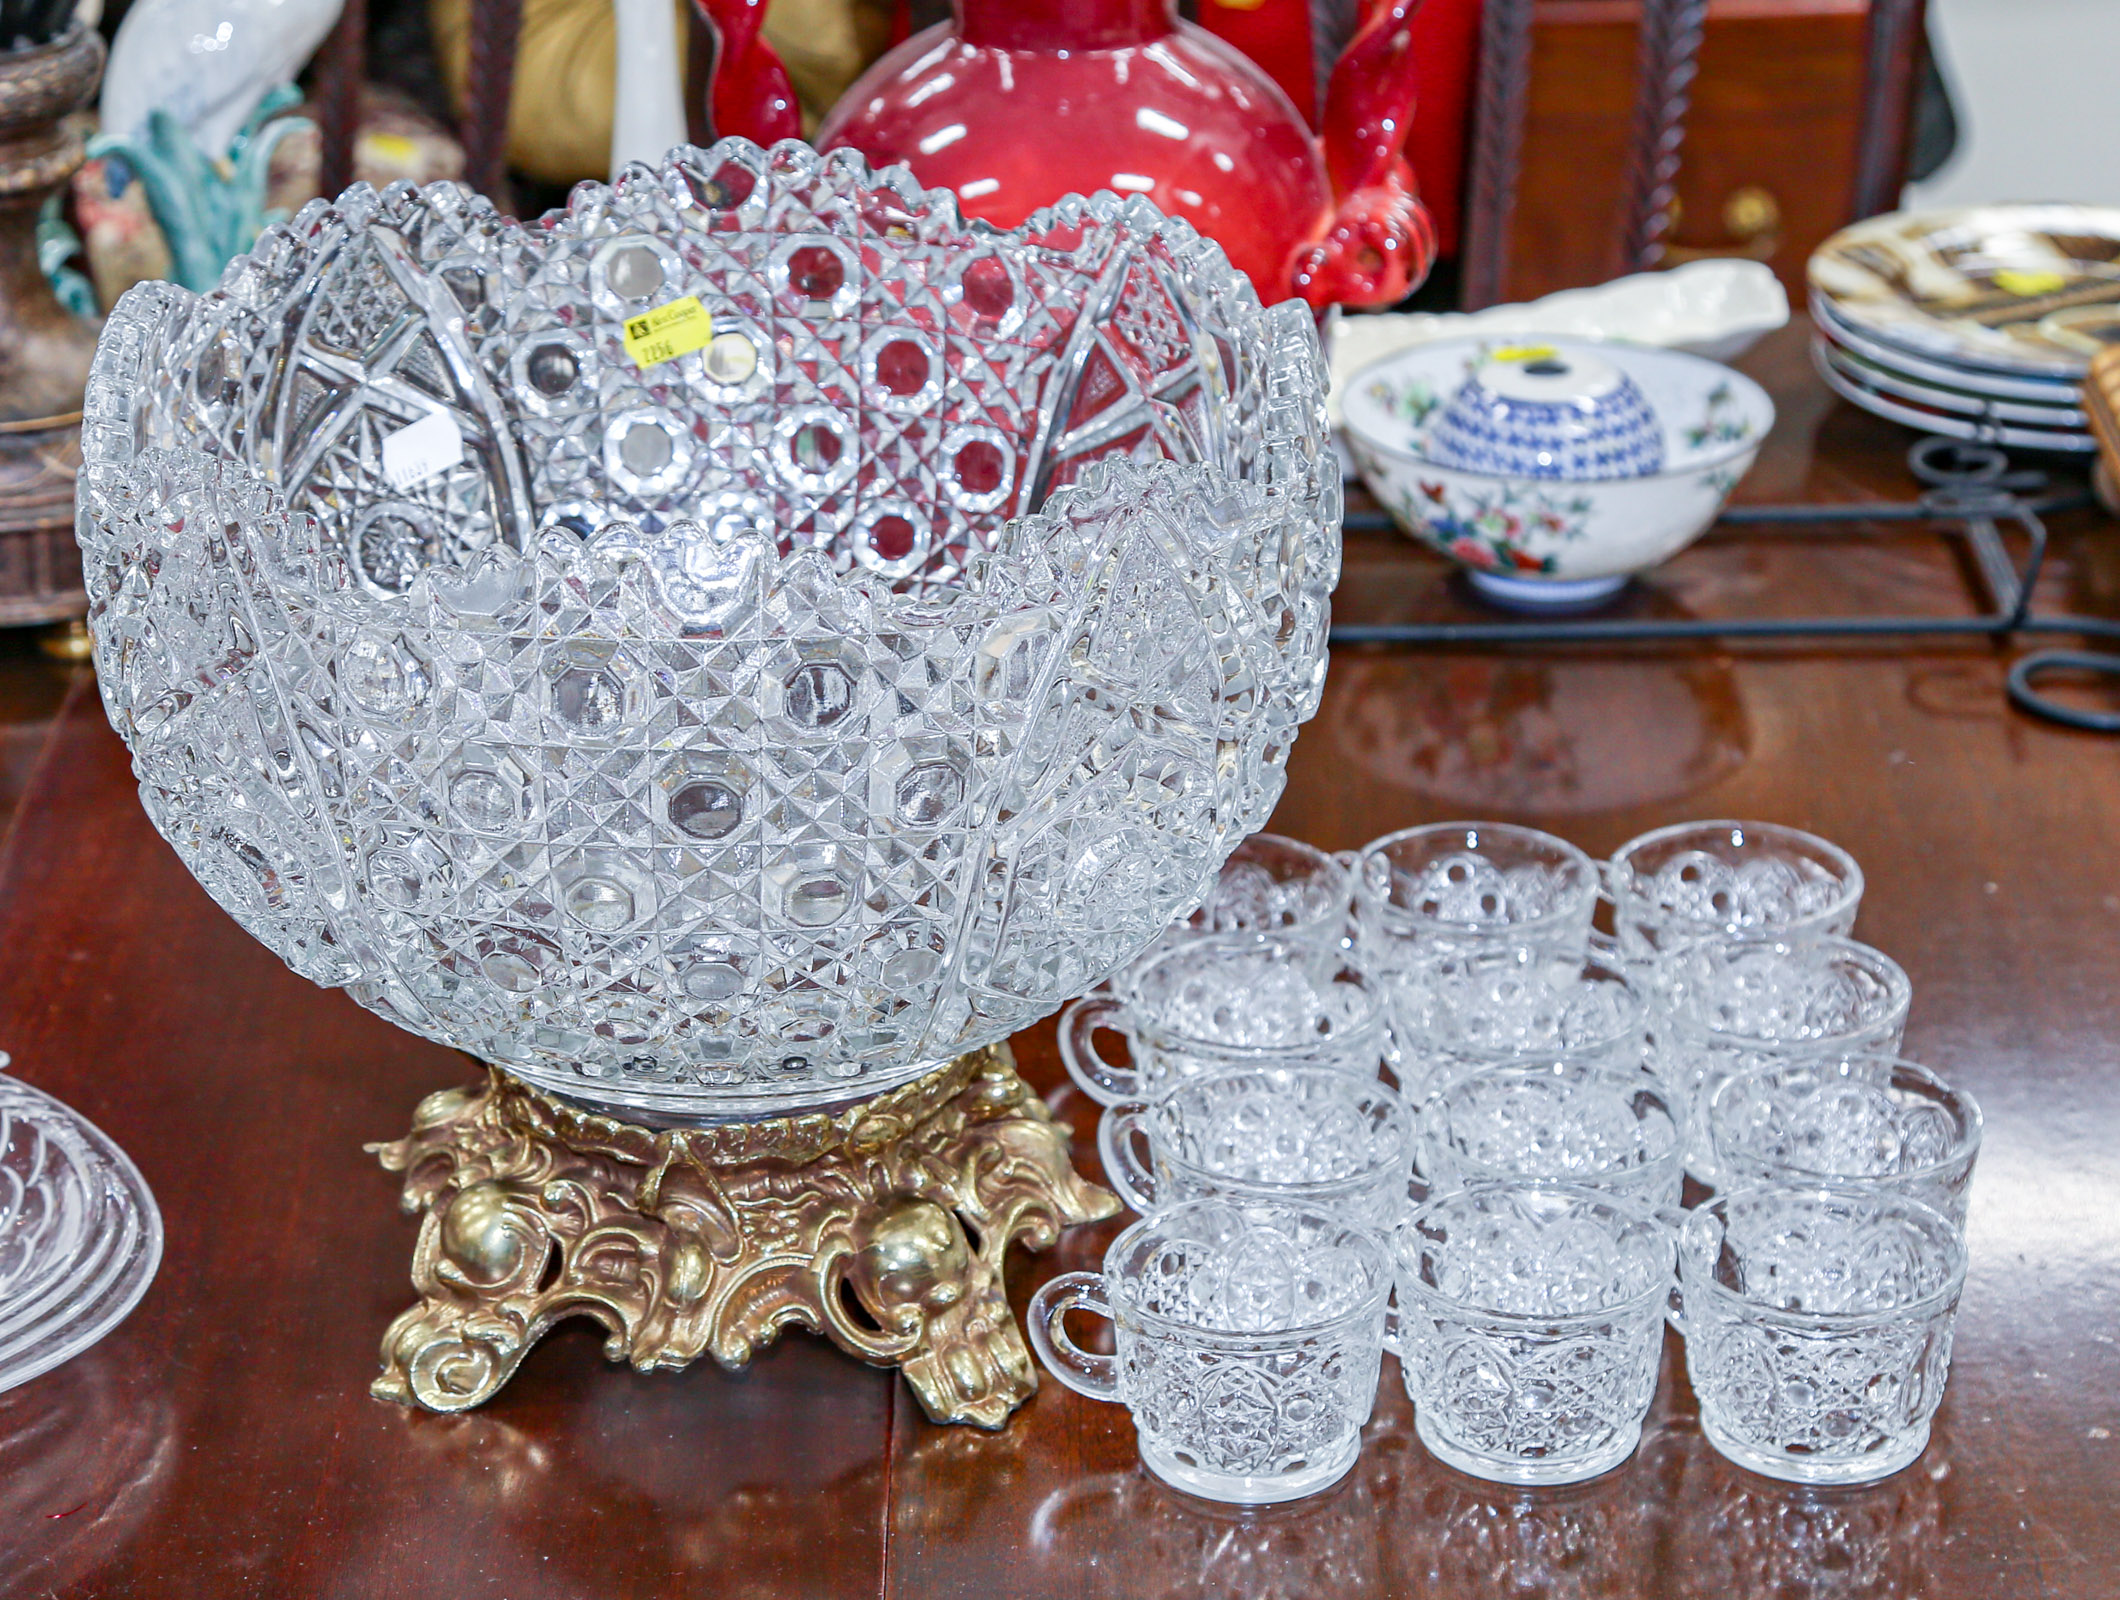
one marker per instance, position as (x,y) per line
(1698,1225)
(1372,876)
(1124,1170)
(1391,1052)
(1431,1164)
(1096,1077)
(1604,946)
(1095,1376)
(1350,864)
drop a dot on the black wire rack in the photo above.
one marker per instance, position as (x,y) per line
(1972,491)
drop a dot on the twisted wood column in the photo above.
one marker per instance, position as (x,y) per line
(1667,57)
(340,66)
(489,83)
(1891,69)
(1497,146)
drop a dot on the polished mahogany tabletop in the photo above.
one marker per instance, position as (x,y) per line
(222,1443)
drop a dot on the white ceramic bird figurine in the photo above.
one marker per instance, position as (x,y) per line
(207,62)
(648,110)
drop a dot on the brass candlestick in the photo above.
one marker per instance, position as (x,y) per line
(882,1226)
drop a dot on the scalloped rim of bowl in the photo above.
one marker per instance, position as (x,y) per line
(1621,354)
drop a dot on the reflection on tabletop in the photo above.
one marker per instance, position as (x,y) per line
(1675,1522)
(86,1453)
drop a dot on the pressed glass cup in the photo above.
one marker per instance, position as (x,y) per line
(1248,1343)
(1622,1133)
(1274,884)
(1818,1327)
(1868,1121)
(1530,1326)
(1223,1002)
(1430,899)
(1730,1005)
(1496,1009)
(1308,1136)
(1695,880)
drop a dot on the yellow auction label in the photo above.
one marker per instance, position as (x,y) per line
(2011,281)
(1526,352)
(668,332)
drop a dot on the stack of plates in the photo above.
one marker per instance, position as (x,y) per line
(1977,323)
(79,1233)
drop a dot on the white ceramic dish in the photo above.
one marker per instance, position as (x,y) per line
(1959,402)
(1980,429)
(1717,309)
(1541,543)
(1979,380)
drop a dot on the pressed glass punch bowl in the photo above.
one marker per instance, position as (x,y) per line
(741,733)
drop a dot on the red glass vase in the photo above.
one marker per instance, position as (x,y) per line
(1020,102)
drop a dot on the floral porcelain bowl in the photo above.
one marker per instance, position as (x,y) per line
(1538,541)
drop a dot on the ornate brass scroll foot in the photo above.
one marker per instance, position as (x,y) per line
(882,1226)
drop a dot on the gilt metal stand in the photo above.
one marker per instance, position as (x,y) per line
(882,1226)
(1971,489)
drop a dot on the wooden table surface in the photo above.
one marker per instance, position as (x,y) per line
(222,1442)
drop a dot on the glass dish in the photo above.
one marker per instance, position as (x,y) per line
(80,1237)
(1818,1327)
(1696,880)
(1621,1133)
(1274,884)
(1223,1003)
(1434,900)
(729,646)
(1499,1008)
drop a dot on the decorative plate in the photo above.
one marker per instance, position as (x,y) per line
(2016,288)
(2003,386)
(1889,381)
(1915,415)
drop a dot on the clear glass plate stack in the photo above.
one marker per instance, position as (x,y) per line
(80,1237)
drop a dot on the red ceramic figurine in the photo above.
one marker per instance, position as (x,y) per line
(749,95)
(1023,101)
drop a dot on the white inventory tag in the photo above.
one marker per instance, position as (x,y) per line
(419,450)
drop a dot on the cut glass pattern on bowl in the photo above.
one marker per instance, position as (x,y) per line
(749,730)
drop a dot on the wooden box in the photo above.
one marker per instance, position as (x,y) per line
(1768,168)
